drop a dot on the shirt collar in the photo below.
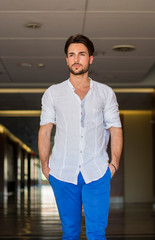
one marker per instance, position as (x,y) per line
(72,87)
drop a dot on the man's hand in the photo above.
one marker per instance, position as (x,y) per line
(44,142)
(116,148)
(46,171)
(112,170)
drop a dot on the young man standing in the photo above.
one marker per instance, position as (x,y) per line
(85,113)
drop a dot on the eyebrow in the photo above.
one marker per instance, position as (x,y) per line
(79,52)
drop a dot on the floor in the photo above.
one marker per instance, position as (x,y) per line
(33,215)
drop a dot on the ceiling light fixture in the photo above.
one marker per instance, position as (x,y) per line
(135,112)
(123,48)
(42,90)
(33,25)
(41,65)
(133,90)
(5,131)
(25,64)
(20,113)
(22,90)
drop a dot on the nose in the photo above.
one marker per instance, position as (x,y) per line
(76,58)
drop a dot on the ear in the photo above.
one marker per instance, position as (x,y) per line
(91,59)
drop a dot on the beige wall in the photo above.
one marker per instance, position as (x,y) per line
(138,172)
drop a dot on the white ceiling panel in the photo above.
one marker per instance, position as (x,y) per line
(55,47)
(4,78)
(121,64)
(119,25)
(113,70)
(111,78)
(121,5)
(55,70)
(144,47)
(32,47)
(39,5)
(54,24)
(2,70)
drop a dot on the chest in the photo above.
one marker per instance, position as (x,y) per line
(69,108)
(82,92)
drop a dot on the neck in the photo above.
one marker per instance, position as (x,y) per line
(80,81)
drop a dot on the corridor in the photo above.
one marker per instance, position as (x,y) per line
(33,215)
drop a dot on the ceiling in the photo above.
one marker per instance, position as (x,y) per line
(106,23)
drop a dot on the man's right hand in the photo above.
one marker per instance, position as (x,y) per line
(46,171)
(44,143)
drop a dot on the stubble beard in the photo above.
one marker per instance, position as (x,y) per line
(84,70)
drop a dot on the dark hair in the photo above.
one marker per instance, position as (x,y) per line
(79,38)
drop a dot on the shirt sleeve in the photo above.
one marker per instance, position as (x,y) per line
(48,114)
(111,112)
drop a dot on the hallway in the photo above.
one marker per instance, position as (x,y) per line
(33,215)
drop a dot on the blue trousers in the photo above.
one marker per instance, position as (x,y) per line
(93,196)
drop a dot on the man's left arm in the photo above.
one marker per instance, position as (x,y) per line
(116,148)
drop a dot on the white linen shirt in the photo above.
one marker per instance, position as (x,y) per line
(82,134)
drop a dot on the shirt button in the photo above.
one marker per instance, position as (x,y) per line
(79,166)
(80,151)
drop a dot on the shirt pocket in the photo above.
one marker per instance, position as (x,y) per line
(97,115)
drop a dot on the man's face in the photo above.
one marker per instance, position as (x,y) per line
(78,59)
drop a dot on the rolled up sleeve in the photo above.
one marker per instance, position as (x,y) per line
(111,112)
(48,114)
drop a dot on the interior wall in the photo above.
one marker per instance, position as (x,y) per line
(10,178)
(138,172)
(2,157)
(153,139)
(117,182)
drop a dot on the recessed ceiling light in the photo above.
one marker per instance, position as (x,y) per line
(41,65)
(25,64)
(33,25)
(123,48)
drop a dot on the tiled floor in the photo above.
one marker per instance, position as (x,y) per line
(33,215)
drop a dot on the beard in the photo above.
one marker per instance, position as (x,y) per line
(80,72)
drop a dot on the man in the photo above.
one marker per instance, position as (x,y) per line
(84,112)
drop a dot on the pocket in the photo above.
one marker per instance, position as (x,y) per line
(97,115)
(49,178)
(109,171)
